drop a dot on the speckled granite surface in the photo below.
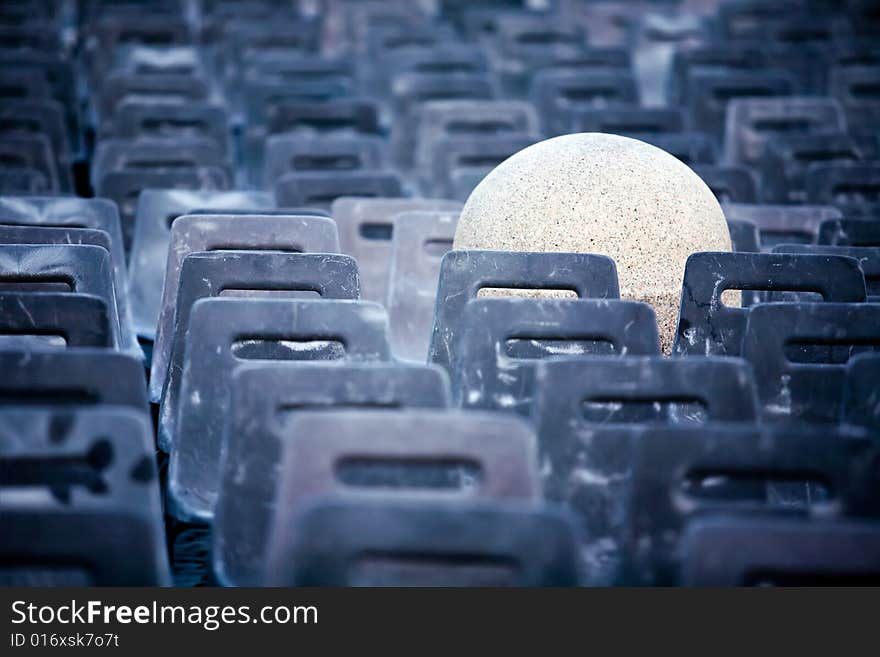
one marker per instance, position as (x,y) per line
(599,193)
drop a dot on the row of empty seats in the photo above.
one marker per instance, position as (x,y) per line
(254,203)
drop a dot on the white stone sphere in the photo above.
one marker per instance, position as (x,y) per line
(600,193)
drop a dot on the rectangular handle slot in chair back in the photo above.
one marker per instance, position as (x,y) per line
(484,375)
(708,326)
(96,465)
(746,466)
(192,416)
(808,391)
(243,274)
(588,457)
(464,273)
(266,400)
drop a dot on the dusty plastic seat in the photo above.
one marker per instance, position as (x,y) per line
(411,91)
(692,148)
(366,232)
(734,551)
(751,122)
(178,87)
(787,158)
(99,520)
(588,414)
(709,93)
(708,326)
(352,454)
(58,235)
(50,320)
(356,115)
(193,412)
(419,241)
(628,121)
(501,341)
(260,392)
(144,120)
(470,119)
(78,268)
(293,153)
(157,210)
(41,117)
(442,57)
(197,233)
(852,86)
(511,545)
(730,184)
(853,187)
(29,164)
(799,351)
(673,462)
(321,189)
(454,159)
(849,232)
(464,273)
(243,274)
(156,154)
(783,224)
(559,94)
(261,96)
(77,213)
(83,376)
(868,258)
(709,58)
(744,236)
(124,188)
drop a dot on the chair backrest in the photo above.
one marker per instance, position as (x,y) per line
(799,350)
(464,273)
(157,210)
(93,514)
(225,331)
(503,340)
(503,544)
(708,326)
(265,400)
